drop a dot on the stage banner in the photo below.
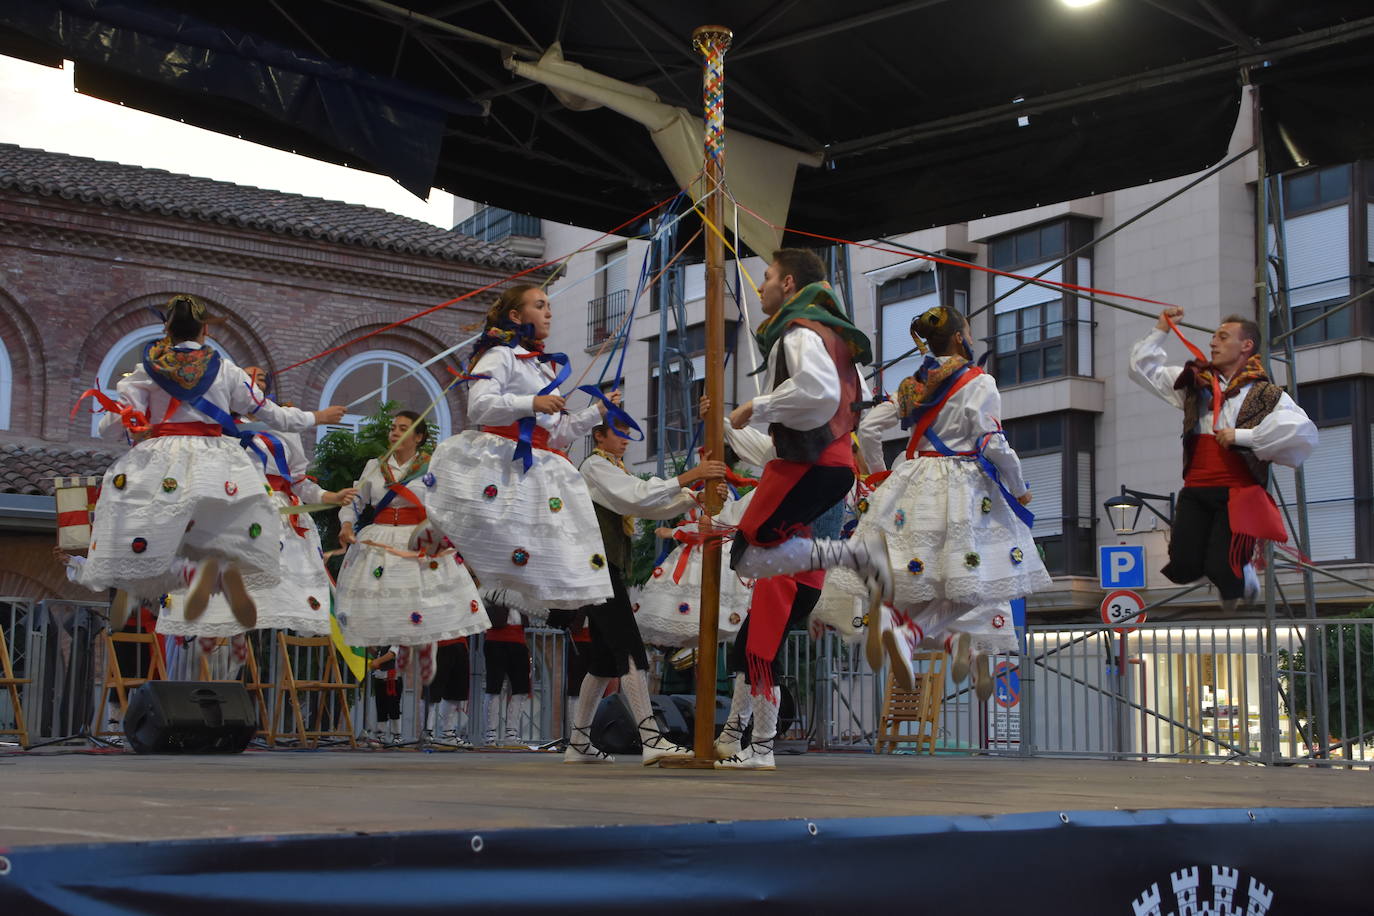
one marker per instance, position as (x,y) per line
(1072,863)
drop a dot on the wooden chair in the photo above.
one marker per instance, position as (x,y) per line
(115,679)
(919,705)
(12,683)
(289,689)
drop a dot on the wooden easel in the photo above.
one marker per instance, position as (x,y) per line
(289,688)
(920,704)
(115,679)
(11,683)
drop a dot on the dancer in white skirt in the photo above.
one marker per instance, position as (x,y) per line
(299,599)
(669,603)
(958,534)
(186,505)
(513,503)
(402,584)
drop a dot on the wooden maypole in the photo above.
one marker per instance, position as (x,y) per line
(711,41)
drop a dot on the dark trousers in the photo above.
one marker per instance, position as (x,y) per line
(615,635)
(387,694)
(1200,542)
(451,674)
(791,497)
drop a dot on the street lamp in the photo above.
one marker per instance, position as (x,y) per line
(1124,509)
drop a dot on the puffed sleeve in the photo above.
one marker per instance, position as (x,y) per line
(490,402)
(243,400)
(752,446)
(133,390)
(1284,437)
(574,425)
(1148,370)
(877,422)
(810,395)
(626,494)
(354,510)
(983,413)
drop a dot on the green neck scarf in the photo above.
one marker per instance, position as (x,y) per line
(819,303)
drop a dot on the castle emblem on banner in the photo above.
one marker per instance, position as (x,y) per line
(1188,897)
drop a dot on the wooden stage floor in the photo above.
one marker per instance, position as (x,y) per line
(53,798)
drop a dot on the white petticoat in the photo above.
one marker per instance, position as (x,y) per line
(951,535)
(298,601)
(669,613)
(190,496)
(534,533)
(387,600)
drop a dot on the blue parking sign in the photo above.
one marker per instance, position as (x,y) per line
(1121,566)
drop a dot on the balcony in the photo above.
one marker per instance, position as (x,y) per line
(604,315)
(522,234)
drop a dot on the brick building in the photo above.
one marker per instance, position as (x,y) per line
(86,247)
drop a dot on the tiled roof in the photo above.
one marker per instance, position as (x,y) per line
(183,196)
(29,469)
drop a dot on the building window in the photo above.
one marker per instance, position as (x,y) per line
(1041,332)
(1056,452)
(492,224)
(364,382)
(127,355)
(681,387)
(901,299)
(607,311)
(1337,474)
(1319,237)
(6,386)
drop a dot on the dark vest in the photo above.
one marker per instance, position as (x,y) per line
(614,540)
(1259,403)
(806,445)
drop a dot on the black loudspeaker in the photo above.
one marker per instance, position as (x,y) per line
(686,704)
(615,731)
(190,717)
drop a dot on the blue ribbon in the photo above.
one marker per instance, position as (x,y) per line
(615,414)
(524,449)
(278,451)
(989,469)
(391,494)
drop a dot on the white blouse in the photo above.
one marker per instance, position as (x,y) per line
(306,489)
(1286,436)
(508,396)
(372,487)
(231,390)
(625,494)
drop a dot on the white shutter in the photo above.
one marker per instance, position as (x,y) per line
(616,259)
(694,279)
(1318,248)
(1045,476)
(1030,294)
(897,336)
(1329,473)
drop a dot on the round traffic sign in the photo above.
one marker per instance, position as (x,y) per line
(1006,685)
(1123,606)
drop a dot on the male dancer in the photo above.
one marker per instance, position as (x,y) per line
(812,351)
(1235,424)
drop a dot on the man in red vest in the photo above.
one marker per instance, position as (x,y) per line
(812,352)
(1235,424)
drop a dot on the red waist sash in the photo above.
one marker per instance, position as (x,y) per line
(189,428)
(538,439)
(1212,465)
(924,453)
(400,515)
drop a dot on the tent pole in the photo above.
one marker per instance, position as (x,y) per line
(711,41)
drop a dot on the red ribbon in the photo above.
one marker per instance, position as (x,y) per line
(1202,357)
(134,421)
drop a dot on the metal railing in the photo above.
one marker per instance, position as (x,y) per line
(492,224)
(604,316)
(1198,691)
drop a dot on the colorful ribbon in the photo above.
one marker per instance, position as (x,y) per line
(133,420)
(1020,511)
(524,448)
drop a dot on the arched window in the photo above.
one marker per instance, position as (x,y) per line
(6,386)
(125,356)
(385,375)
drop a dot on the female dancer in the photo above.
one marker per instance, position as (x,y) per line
(401,585)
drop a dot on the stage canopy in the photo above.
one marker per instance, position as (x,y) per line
(896,115)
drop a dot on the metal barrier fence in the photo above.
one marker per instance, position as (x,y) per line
(1216,691)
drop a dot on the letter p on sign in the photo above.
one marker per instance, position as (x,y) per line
(1121,566)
